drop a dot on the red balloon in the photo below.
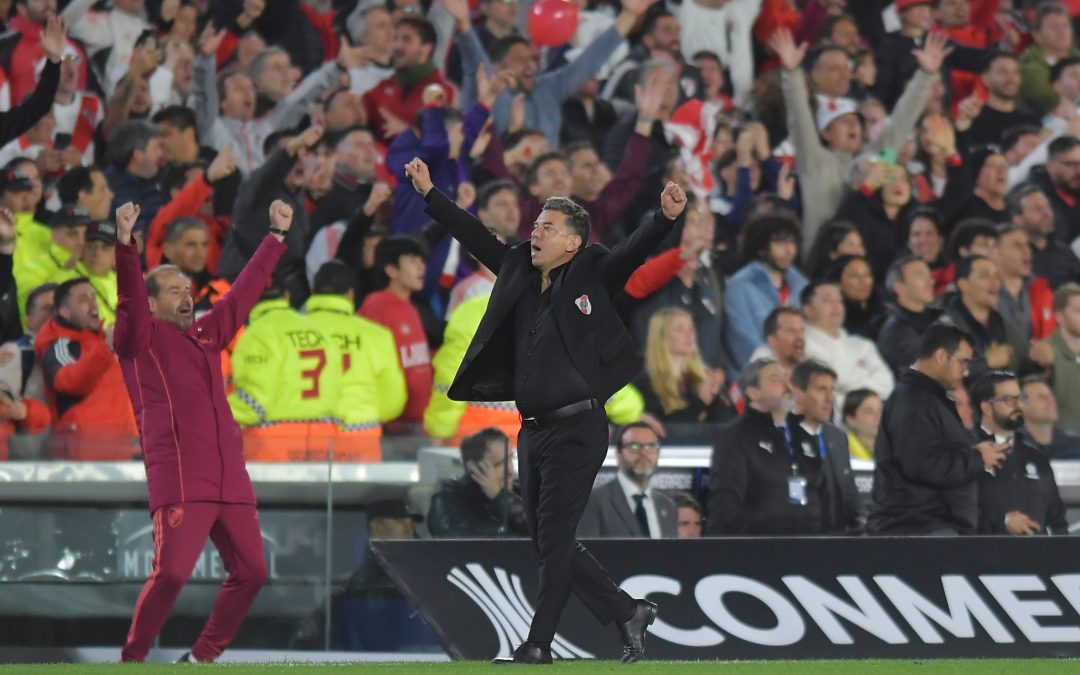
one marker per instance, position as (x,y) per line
(552,22)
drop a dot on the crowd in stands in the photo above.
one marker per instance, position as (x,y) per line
(857,171)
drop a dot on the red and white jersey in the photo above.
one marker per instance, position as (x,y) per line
(79,119)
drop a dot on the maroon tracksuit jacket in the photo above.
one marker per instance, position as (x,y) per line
(192,446)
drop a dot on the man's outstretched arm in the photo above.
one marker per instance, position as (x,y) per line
(132,331)
(476,238)
(231,311)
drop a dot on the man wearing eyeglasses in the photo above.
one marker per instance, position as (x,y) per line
(628,506)
(1020,497)
(927,465)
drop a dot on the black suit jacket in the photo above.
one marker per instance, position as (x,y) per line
(597,341)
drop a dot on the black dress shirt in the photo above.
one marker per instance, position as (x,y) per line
(544,374)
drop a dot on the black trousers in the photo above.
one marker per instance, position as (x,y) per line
(557,465)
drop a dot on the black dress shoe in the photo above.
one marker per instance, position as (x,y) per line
(528,652)
(633,631)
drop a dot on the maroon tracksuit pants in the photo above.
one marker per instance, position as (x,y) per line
(180,533)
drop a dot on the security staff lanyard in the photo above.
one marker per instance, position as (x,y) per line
(796,483)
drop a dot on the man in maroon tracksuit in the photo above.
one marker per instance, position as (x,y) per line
(191,445)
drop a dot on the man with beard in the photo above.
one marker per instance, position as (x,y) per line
(1002,110)
(1025,300)
(1050,256)
(990,170)
(768,280)
(1020,497)
(628,506)
(1060,181)
(198,484)
(926,463)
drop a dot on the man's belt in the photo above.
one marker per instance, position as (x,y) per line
(560,413)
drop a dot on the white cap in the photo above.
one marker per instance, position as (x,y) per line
(831,108)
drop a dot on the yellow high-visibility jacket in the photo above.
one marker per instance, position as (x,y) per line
(35,271)
(285,368)
(372,384)
(104,289)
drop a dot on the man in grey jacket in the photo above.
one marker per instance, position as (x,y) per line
(628,506)
(544,92)
(225,111)
(830,151)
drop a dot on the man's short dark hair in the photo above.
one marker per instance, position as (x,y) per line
(501,47)
(271,141)
(895,273)
(685,500)
(391,250)
(178,116)
(639,424)
(1060,145)
(943,336)
(1015,198)
(75,180)
(577,218)
(810,290)
(511,139)
(334,278)
(984,387)
(772,321)
(475,446)
(653,16)
(819,50)
(805,372)
(994,56)
(1012,135)
(64,291)
(181,225)
(488,192)
(751,375)
(174,177)
(1045,9)
(707,55)
(551,156)
(128,137)
(1058,69)
(965,265)
(966,232)
(854,399)
(761,230)
(31,300)
(423,28)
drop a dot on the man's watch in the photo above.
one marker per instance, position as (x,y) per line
(278,230)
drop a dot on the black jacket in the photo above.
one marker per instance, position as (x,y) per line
(1066,215)
(579,126)
(926,465)
(10,325)
(748,480)
(25,115)
(461,509)
(344,201)
(251,222)
(999,331)
(899,338)
(598,342)
(1024,483)
(881,237)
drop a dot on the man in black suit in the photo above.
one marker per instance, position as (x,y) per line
(551,340)
(628,506)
